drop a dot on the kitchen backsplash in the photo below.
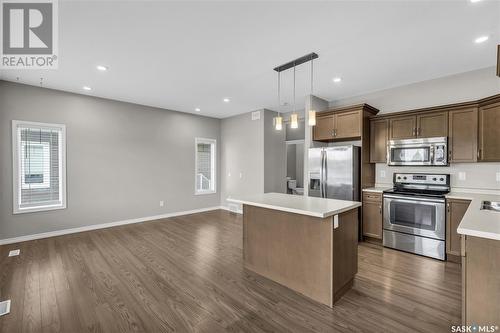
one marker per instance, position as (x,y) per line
(463,175)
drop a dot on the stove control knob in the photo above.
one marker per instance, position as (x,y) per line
(404,178)
(399,177)
(434,179)
(441,179)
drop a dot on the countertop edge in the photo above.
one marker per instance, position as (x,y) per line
(297,211)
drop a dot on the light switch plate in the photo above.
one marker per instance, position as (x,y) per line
(382,173)
(241,175)
(256,115)
(162,203)
(14,253)
(462,175)
(498,176)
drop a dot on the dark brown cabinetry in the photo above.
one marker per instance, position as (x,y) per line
(425,125)
(462,139)
(489,132)
(372,214)
(343,125)
(455,211)
(379,133)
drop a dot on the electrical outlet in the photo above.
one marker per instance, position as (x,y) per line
(14,253)
(4,307)
(462,175)
(241,175)
(382,173)
(229,174)
(498,176)
(162,203)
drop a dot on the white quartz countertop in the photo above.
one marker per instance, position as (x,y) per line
(377,189)
(477,222)
(311,206)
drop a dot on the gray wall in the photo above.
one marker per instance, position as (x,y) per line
(451,89)
(122,159)
(274,155)
(242,156)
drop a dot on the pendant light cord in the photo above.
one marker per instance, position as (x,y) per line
(294,87)
(279,93)
(312,75)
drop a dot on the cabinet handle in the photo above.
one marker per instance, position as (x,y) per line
(448,206)
(479,154)
(414,133)
(380,209)
(419,130)
(449,154)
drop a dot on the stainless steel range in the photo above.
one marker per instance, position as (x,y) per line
(415,214)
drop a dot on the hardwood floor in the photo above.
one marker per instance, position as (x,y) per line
(185,274)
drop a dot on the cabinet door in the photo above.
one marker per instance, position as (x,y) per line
(462,143)
(455,212)
(324,128)
(432,124)
(403,127)
(348,124)
(489,133)
(372,215)
(379,133)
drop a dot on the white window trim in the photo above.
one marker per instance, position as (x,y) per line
(214,163)
(16,163)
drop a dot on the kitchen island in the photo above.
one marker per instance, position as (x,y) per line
(306,244)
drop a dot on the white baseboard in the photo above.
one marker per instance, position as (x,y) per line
(229,209)
(104,225)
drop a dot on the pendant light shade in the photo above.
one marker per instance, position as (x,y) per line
(278,123)
(294,120)
(312,118)
(312,112)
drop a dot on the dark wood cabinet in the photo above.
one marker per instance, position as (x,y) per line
(402,127)
(348,124)
(462,139)
(455,211)
(433,124)
(489,132)
(372,214)
(324,128)
(379,134)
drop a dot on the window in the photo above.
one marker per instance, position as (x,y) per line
(38,166)
(205,166)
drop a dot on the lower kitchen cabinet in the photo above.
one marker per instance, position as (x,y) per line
(372,215)
(480,281)
(455,211)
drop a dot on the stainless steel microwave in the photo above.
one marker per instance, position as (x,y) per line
(426,152)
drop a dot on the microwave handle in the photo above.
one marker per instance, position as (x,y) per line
(432,154)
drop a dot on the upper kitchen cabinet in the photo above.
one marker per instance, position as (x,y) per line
(403,127)
(425,125)
(343,123)
(324,128)
(462,140)
(433,124)
(379,134)
(489,130)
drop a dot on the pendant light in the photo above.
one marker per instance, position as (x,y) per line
(278,121)
(294,118)
(312,112)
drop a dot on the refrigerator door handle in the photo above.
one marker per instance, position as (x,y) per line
(324,175)
(321,170)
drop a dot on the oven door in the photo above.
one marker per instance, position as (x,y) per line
(414,154)
(415,215)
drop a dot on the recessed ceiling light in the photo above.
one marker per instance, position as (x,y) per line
(473,1)
(102,68)
(226,100)
(337,79)
(87,88)
(481,39)
(197,109)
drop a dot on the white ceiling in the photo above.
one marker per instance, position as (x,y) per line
(184,55)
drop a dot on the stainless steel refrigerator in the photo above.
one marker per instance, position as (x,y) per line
(334,172)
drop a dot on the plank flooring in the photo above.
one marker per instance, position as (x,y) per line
(185,274)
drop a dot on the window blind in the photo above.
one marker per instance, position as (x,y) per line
(40,166)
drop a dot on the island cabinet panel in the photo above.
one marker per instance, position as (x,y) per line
(432,124)
(455,211)
(348,124)
(481,272)
(372,215)
(324,128)
(306,254)
(489,132)
(462,140)
(402,127)
(379,134)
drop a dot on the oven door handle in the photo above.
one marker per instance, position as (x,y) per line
(413,200)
